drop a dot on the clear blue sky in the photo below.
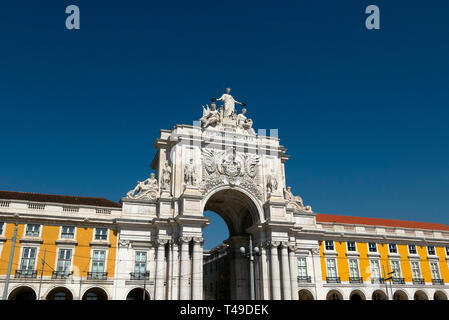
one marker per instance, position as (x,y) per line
(363,114)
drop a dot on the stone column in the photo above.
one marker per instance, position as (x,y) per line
(197,269)
(152,270)
(160,274)
(175,272)
(286,284)
(274,274)
(169,271)
(293,272)
(184,272)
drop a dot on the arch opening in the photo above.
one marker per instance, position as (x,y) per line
(379,295)
(138,294)
(22,293)
(225,269)
(400,295)
(334,295)
(305,295)
(439,295)
(420,295)
(357,295)
(95,294)
(60,293)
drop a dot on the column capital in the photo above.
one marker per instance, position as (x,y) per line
(272,244)
(315,251)
(284,244)
(184,239)
(292,248)
(198,240)
(161,242)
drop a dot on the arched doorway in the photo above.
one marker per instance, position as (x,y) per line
(60,293)
(22,293)
(95,294)
(334,295)
(239,211)
(137,294)
(305,295)
(357,295)
(379,295)
(400,295)
(439,295)
(420,295)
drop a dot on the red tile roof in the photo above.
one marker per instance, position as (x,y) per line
(380,222)
(38,197)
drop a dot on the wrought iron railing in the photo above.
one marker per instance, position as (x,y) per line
(139,275)
(398,280)
(333,280)
(377,280)
(97,275)
(437,281)
(61,274)
(355,279)
(304,279)
(418,281)
(25,274)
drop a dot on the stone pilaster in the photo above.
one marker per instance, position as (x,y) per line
(293,261)
(197,269)
(160,270)
(184,272)
(274,271)
(286,284)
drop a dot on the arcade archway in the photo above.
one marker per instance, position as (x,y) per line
(22,293)
(60,293)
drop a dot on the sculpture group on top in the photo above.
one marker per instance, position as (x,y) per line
(226,115)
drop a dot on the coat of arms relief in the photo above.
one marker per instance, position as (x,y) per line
(227,167)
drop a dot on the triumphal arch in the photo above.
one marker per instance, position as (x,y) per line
(220,164)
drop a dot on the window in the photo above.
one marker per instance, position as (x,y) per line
(392,248)
(354,268)
(98,263)
(416,272)
(396,269)
(329,245)
(28,260)
(431,250)
(68,232)
(101,234)
(331,268)
(32,230)
(1,227)
(351,246)
(140,265)
(412,249)
(434,270)
(64,261)
(372,247)
(375,269)
(447,251)
(302,267)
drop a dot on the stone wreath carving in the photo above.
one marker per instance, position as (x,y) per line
(229,168)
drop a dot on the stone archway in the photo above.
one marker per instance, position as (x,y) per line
(400,295)
(240,212)
(95,293)
(439,295)
(420,295)
(305,295)
(60,293)
(137,294)
(357,295)
(379,295)
(334,295)
(22,293)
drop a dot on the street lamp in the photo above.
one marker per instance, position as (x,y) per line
(250,255)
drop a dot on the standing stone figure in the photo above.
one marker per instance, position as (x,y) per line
(229,103)
(166,176)
(272,183)
(189,173)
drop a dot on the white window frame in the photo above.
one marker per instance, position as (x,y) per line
(419,269)
(371,264)
(434,251)
(304,267)
(375,245)
(72,250)
(135,260)
(357,266)
(3,223)
(347,246)
(36,260)
(416,249)
(435,262)
(400,269)
(61,232)
(393,246)
(105,258)
(327,267)
(95,234)
(33,224)
(333,245)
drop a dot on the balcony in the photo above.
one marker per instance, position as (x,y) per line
(304,279)
(97,275)
(377,280)
(333,280)
(355,280)
(438,282)
(398,280)
(140,275)
(418,281)
(61,274)
(25,274)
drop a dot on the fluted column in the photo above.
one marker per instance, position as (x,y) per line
(184,272)
(293,272)
(197,269)
(274,274)
(160,274)
(286,284)
(175,272)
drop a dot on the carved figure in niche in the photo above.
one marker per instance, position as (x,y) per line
(272,183)
(190,173)
(166,176)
